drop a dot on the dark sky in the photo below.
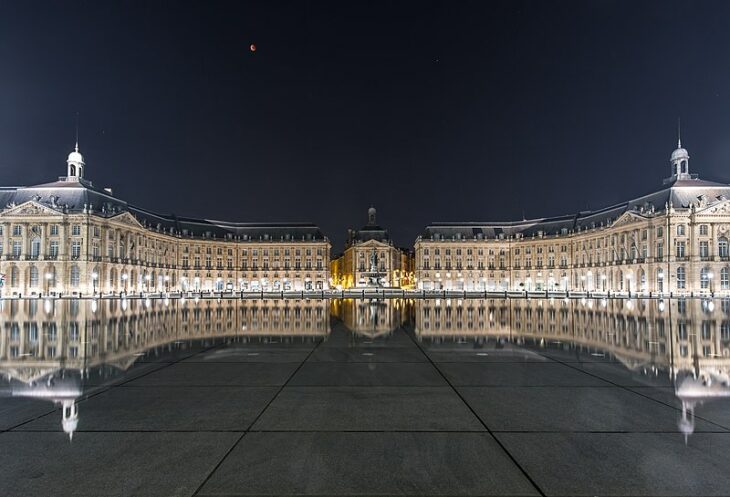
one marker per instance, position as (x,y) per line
(431,112)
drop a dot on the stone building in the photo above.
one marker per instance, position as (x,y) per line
(371,259)
(69,236)
(674,239)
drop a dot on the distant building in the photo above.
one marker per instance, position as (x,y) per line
(371,259)
(674,239)
(69,236)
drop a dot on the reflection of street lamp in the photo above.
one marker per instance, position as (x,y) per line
(49,277)
(124,279)
(94,277)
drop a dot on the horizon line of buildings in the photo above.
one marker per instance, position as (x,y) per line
(68,236)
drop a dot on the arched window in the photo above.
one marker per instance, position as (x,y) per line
(75,277)
(704,278)
(35,247)
(681,278)
(33,276)
(722,247)
(72,170)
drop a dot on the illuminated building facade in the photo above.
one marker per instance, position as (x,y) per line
(71,237)
(370,259)
(675,239)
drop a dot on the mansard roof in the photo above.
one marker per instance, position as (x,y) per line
(679,193)
(80,196)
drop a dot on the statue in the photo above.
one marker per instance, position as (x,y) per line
(373,261)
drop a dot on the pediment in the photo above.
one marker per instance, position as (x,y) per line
(718,208)
(31,208)
(126,218)
(373,243)
(627,218)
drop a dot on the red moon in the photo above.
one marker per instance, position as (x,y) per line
(252,47)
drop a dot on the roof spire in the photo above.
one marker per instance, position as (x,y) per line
(679,132)
(77,131)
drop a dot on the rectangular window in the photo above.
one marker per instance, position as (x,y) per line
(703,230)
(76,249)
(53,252)
(680,229)
(54,229)
(76,230)
(17,230)
(17,245)
(704,248)
(680,249)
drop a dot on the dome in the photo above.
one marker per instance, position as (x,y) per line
(679,154)
(371,212)
(75,156)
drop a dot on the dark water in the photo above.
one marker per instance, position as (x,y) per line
(365,397)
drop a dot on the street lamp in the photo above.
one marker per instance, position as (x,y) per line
(603,279)
(629,277)
(94,277)
(147,279)
(167,283)
(124,279)
(709,278)
(660,278)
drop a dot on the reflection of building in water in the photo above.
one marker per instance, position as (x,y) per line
(687,340)
(371,317)
(49,348)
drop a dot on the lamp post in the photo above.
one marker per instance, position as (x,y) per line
(603,280)
(94,277)
(583,282)
(629,277)
(709,279)
(147,279)
(124,280)
(167,283)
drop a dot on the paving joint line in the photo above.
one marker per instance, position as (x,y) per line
(481,421)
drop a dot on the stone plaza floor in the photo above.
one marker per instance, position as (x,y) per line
(350,414)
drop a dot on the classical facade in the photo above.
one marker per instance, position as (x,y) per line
(70,237)
(371,259)
(671,240)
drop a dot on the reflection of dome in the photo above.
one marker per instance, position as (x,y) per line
(70,417)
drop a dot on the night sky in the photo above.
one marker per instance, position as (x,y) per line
(431,112)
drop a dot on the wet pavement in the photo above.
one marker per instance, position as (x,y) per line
(388,397)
